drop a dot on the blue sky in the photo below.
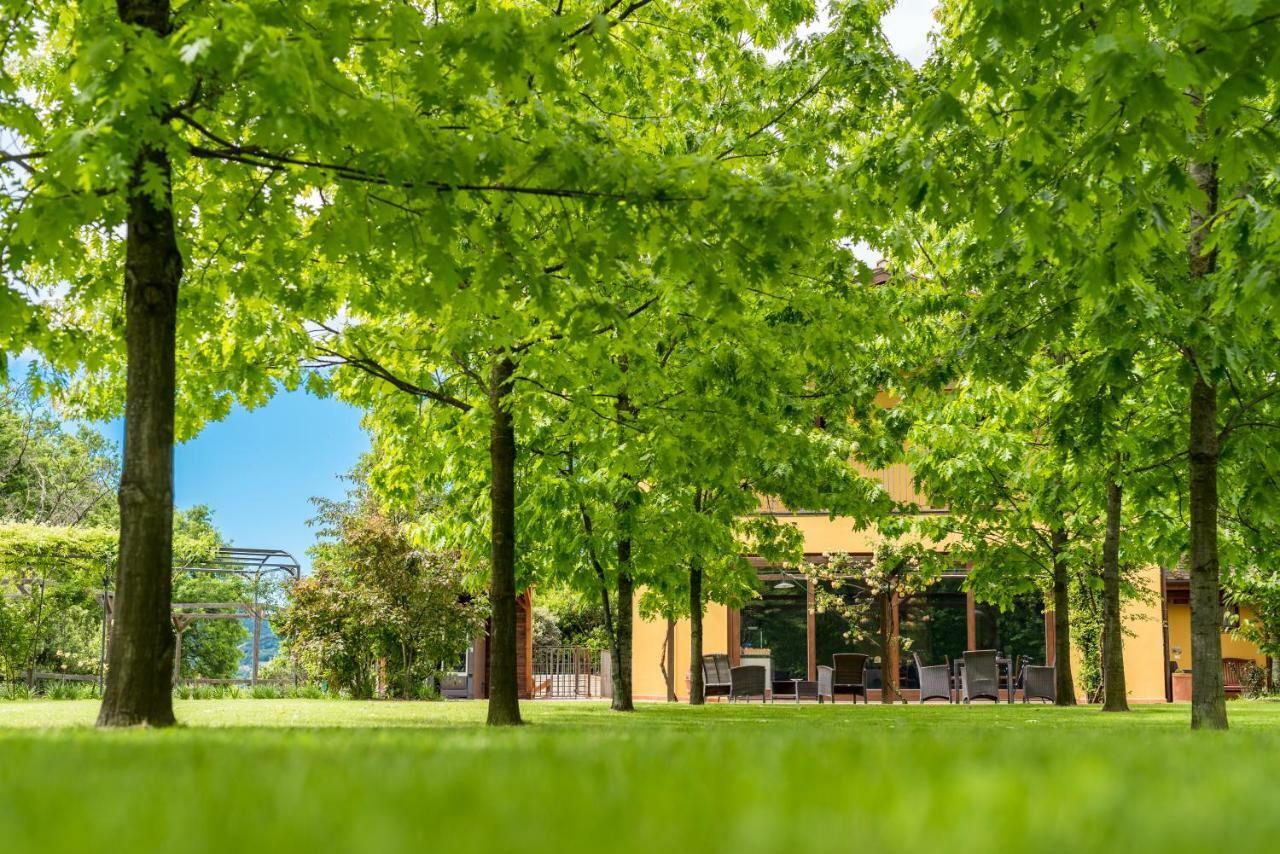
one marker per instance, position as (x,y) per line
(257,470)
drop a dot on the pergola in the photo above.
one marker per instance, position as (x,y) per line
(258,564)
(246,563)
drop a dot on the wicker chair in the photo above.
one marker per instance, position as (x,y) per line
(715,675)
(826,683)
(1039,682)
(850,674)
(980,678)
(746,681)
(935,680)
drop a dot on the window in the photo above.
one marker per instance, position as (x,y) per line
(779,623)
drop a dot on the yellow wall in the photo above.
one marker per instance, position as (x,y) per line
(1232,647)
(1144,644)
(824,535)
(646,660)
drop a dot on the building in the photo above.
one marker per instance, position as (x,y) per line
(783,630)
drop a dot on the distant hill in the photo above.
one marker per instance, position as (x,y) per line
(269,648)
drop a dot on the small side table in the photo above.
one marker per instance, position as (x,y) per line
(800,688)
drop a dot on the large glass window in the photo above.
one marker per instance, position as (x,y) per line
(936,623)
(1017,631)
(832,625)
(778,622)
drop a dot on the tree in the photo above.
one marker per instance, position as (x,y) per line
(990,455)
(554,299)
(253,141)
(210,648)
(894,574)
(52,578)
(375,597)
(49,475)
(1104,134)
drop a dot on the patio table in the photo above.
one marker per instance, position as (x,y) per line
(799,688)
(1005,664)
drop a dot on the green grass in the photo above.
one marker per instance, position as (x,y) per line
(323,776)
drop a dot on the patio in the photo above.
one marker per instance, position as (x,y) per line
(785,632)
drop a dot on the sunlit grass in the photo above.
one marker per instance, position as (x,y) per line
(309,775)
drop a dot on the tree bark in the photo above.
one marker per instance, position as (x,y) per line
(696,686)
(669,660)
(622,626)
(1208,703)
(1064,689)
(1115,696)
(625,509)
(504,689)
(139,683)
(889,642)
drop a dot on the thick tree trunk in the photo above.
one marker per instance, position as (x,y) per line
(504,688)
(1208,703)
(696,687)
(139,682)
(1064,680)
(1115,697)
(622,622)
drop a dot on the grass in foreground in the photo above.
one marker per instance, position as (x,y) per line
(313,775)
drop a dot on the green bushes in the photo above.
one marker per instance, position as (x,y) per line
(49,689)
(378,605)
(261,691)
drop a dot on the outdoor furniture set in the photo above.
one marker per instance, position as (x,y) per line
(975,675)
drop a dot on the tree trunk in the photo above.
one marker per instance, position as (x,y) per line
(624,585)
(669,660)
(1064,689)
(696,687)
(504,688)
(139,683)
(1115,693)
(1208,703)
(889,642)
(622,622)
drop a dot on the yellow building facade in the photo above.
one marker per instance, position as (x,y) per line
(1157,624)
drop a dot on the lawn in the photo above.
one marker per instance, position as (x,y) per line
(315,775)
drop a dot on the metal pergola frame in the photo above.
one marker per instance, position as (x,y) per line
(243,562)
(246,563)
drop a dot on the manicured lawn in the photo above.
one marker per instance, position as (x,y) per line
(312,775)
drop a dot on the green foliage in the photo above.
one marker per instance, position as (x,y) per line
(1086,635)
(374,597)
(894,571)
(1257,587)
(50,613)
(212,649)
(50,475)
(564,616)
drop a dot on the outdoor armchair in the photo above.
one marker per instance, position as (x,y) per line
(850,674)
(935,680)
(1038,682)
(980,677)
(715,675)
(826,683)
(746,681)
